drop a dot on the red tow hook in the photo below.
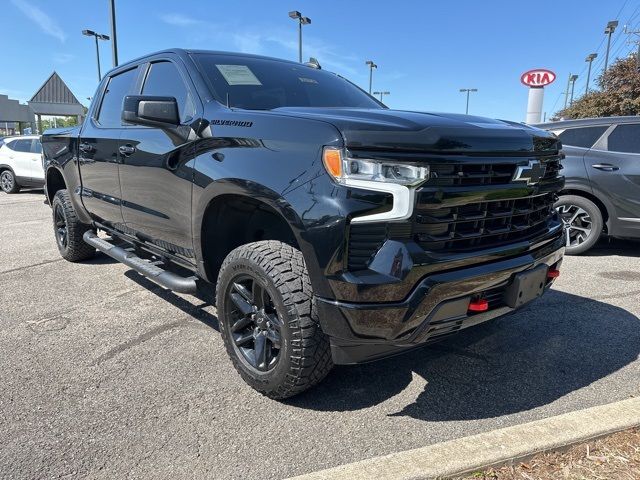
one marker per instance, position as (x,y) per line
(480,305)
(553,273)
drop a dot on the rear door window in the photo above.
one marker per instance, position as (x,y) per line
(625,138)
(119,86)
(583,137)
(22,145)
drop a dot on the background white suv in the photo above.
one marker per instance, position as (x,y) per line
(20,163)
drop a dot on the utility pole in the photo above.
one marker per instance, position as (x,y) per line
(637,42)
(566,92)
(589,59)
(114,41)
(381,94)
(610,28)
(468,91)
(295,15)
(371,67)
(572,79)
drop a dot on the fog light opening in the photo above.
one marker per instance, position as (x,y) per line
(479,305)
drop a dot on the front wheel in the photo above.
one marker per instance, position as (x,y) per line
(8,182)
(268,319)
(582,222)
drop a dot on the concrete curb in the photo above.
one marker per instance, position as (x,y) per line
(469,454)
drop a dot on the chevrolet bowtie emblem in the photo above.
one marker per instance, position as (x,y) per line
(531,173)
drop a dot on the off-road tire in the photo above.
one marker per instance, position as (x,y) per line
(596,221)
(10,184)
(76,249)
(305,356)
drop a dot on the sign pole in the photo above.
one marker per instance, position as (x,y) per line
(534,105)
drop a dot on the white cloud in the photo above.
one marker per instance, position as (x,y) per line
(44,21)
(179,20)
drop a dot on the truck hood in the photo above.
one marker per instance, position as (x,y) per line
(399,130)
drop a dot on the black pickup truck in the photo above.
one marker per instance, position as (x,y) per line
(332,229)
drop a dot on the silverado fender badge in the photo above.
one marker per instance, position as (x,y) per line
(531,173)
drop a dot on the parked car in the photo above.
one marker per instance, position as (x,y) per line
(21,163)
(332,229)
(602,171)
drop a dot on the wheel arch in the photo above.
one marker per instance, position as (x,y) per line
(54,181)
(230,220)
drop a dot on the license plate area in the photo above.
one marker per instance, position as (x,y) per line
(526,286)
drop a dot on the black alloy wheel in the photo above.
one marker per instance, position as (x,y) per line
(60,225)
(255,325)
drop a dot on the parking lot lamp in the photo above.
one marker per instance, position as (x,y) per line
(371,67)
(589,59)
(97,36)
(572,79)
(114,41)
(610,28)
(381,94)
(468,91)
(301,21)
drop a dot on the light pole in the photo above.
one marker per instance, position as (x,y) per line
(468,91)
(589,59)
(371,67)
(610,28)
(295,15)
(97,36)
(381,94)
(572,79)
(114,41)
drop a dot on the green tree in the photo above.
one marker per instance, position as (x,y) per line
(618,93)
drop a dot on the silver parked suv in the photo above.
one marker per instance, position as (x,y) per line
(602,172)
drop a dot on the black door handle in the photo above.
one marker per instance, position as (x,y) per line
(605,167)
(85,147)
(126,150)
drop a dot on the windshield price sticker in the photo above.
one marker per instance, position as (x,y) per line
(238,75)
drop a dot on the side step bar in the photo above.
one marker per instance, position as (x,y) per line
(162,277)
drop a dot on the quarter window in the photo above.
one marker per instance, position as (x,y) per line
(119,86)
(625,138)
(36,147)
(164,80)
(583,137)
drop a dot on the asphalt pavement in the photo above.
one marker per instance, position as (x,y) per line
(103,374)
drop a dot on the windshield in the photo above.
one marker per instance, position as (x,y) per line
(262,84)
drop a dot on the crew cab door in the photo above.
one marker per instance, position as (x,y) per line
(155,170)
(613,165)
(99,156)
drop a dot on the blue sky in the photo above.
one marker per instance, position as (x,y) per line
(426,50)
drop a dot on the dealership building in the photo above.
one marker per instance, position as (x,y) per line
(53,98)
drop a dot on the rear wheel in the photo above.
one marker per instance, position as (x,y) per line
(8,182)
(582,222)
(268,319)
(69,230)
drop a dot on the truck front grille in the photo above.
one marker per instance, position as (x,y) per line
(484,224)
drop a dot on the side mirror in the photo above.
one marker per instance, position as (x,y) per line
(161,112)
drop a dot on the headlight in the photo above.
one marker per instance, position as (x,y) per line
(343,169)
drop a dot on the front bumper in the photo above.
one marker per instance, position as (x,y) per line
(436,306)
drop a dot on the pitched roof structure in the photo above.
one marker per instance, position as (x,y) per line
(54,90)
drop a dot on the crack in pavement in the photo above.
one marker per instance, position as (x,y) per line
(39,264)
(148,335)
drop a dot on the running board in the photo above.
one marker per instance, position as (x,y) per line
(162,277)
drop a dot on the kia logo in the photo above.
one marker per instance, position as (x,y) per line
(537,78)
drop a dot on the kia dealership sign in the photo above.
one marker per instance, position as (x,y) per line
(539,77)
